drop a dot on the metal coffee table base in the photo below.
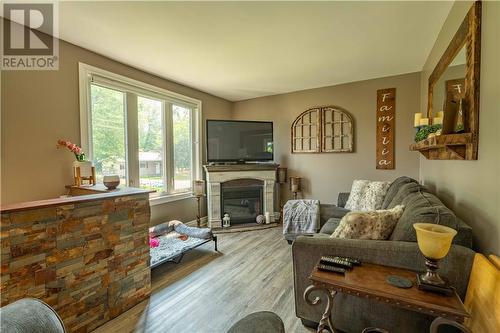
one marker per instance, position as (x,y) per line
(325,322)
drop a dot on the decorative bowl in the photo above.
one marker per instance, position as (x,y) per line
(111,182)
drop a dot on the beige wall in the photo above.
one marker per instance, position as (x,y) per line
(38,107)
(471,188)
(325,175)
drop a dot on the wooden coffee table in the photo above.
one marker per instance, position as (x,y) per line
(369,281)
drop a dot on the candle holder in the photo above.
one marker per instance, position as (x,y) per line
(282,179)
(282,175)
(295,186)
(199,192)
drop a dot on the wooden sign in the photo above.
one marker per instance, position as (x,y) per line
(386,126)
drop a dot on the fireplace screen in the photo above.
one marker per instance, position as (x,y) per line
(242,203)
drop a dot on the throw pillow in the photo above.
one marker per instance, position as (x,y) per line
(378,224)
(367,195)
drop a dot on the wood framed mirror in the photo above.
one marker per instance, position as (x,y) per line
(453,94)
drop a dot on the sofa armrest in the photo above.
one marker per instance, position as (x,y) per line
(342,199)
(306,251)
(464,235)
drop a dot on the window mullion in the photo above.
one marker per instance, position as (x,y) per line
(132,137)
(194,145)
(86,116)
(169,148)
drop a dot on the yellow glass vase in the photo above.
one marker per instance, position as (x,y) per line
(434,241)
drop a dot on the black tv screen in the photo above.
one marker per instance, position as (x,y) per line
(233,141)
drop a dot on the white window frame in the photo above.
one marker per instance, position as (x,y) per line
(89,74)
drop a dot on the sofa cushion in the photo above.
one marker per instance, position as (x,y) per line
(421,207)
(403,192)
(330,226)
(394,188)
(377,224)
(327,211)
(367,195)
(335,211)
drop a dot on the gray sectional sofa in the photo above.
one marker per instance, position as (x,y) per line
(352,314)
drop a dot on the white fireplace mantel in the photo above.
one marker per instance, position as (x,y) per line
(218,174)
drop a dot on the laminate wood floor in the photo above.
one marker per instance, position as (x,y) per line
(209,291)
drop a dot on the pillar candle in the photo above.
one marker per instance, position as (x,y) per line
(418,116)
(437,121)
(424,121)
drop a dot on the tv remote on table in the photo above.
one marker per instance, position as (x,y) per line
(330,268)
(353,261)
(335,261)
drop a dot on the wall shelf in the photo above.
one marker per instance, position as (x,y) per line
(447,147)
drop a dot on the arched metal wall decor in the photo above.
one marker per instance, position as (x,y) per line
(326,129)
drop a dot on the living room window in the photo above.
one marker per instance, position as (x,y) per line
(147,135)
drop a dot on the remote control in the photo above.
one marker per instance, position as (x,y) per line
(329,268)
(335,261)
(353,261)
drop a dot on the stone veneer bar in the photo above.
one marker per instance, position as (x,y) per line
(86,256)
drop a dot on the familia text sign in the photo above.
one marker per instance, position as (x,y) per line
(386,124)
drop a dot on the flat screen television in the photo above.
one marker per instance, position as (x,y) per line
(239,141)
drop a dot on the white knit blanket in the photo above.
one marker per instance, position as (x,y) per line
(301,217)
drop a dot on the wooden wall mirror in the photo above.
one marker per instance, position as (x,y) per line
(453,95)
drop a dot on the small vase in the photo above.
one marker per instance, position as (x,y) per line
(111,182)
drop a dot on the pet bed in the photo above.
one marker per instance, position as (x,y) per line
(175,239)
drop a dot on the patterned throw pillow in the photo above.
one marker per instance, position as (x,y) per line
(367,195)
(378,224)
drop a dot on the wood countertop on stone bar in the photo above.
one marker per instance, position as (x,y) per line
(99,192)
(86,255)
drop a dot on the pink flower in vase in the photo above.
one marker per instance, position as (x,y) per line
(79,155)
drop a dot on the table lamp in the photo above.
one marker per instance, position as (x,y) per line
(434,242)
(199,191)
